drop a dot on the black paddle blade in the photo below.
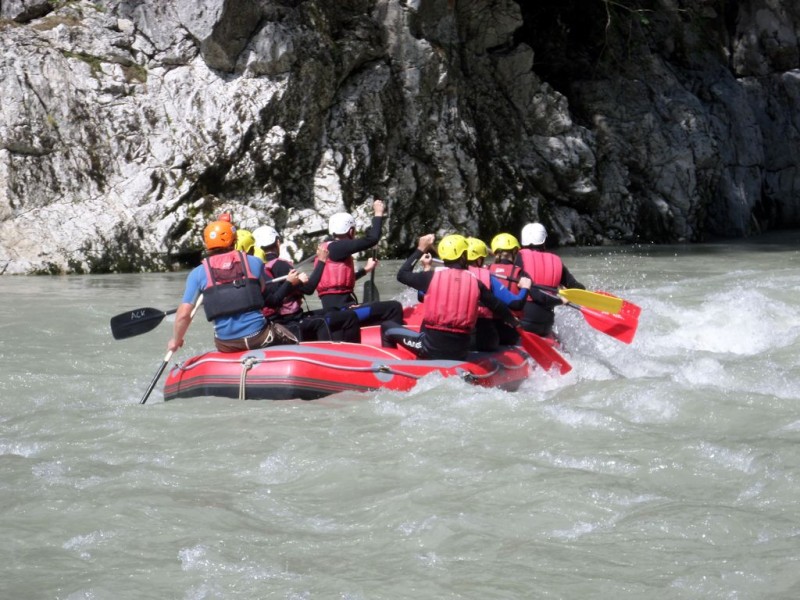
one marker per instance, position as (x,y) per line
(370,293)
(136,322)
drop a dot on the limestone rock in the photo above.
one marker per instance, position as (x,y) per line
(125,126)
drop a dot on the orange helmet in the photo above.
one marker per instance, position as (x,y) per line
(219,234)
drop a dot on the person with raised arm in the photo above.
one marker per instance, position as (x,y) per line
(336,288)
(340,326)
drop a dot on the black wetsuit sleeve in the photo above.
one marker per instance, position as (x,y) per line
(568,281)
(276,292)
(313,279)
(339,250)
(419,281)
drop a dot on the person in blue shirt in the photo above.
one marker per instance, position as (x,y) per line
(233,287)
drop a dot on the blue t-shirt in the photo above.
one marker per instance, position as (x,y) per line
(233,326)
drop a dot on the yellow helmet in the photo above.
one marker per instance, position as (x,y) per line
(219,234)
(452,247)
(504,241)
(476,249)
(244,240)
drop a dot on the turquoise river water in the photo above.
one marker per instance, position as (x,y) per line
(664,469)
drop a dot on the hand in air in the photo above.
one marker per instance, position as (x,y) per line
(378,208)
(426,242)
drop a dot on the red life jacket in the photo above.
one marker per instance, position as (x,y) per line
(337,277)
(508,270)
(544,268)
(504,271)
(231,288)
(292,302)
(451,302)
(484,277)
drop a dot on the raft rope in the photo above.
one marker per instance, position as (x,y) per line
(247,364)
(252,361)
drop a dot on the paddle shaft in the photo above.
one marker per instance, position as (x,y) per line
(370,292)
(168,356)
(372,274)
(542,352)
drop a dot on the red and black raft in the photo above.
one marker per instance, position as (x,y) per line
(312,370)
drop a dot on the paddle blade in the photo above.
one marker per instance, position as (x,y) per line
(629,309)
(370,293)
(542,352)
(136,322)
(593,300)
(618,326)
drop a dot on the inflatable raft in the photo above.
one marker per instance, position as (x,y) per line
(312,370)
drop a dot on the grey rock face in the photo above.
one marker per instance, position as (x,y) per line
(126,126)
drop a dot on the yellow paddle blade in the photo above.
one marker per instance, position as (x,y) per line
(593,300)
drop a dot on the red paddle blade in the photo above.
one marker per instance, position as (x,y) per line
(629,309)
(542,352)
(619,326)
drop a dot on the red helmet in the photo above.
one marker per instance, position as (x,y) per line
(219,234)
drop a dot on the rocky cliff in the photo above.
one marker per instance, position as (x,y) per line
(126,125)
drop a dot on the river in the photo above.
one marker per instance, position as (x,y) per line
(667,468)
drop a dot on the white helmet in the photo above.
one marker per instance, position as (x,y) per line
(533,234)
(265,236)
(340,223)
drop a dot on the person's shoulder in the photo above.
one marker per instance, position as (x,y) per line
(254,262)
(196,277)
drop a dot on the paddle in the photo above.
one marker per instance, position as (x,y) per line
(141,320)
(370,293)
(136,322)
(620,326)
(168,356)
(542,352)
(594,300)
(629,309)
